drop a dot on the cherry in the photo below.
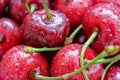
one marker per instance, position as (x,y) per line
(108,51)
(73,9)
(10,35)
(105,18)
(113,73)
(18,11)
(117,2)
(45,28)
(18,65)
(3,4)
(68,60)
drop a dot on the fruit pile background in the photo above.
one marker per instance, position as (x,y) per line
(59,39)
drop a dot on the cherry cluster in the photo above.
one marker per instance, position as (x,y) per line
(59,39)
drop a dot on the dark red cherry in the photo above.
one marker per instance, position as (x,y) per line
(18,65)
(18,11)
(10,35)
(106,19)
(67,60)
(113,73)
(38,31)
(73,9)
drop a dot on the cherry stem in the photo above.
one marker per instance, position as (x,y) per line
(104,61)
(30,10)
(108,50)
(33,7)
(31,49)
(69,39)
(47,10)
(87,43)
(108,66)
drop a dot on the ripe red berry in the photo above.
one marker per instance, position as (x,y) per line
(67,60)
(73,9)
(117,2)
(18,11)
(18,65)
(10,35)
(106,18)
(113,73)
(38,31)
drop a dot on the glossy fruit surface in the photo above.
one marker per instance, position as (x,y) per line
(68,60)
(38,31)
(117,2)
(73,9)
(10,35)
(18,65)
(106,18)
(18,11)
(113,73)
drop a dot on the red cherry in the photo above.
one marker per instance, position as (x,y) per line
(18,65)
(106,18)
(18,11)
(10,35)
(113,73)
(73,9)
(117,2)
(38,31)
(3,4)
(67,60)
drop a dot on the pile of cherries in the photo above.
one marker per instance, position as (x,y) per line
(59,39)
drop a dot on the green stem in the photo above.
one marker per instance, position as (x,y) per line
(30,10)
(26,5)
(31,49)
(69,39)
(104,61)
(108,51)
(33,7)
(92,37)
(65,76)
(106,69)
(47,10)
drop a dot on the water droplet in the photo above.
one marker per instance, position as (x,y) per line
(62,64)
(55,71)
(29,61)
(104,20)
(42,33)
(110,35)
(108,30)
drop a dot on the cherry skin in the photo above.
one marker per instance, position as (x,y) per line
(0,73)
(113,73)
(106,19)
(117,2)
(18,11)
(67,60)
(10,35)
(18,65)
(73,9)
(3,4)
(38,31)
